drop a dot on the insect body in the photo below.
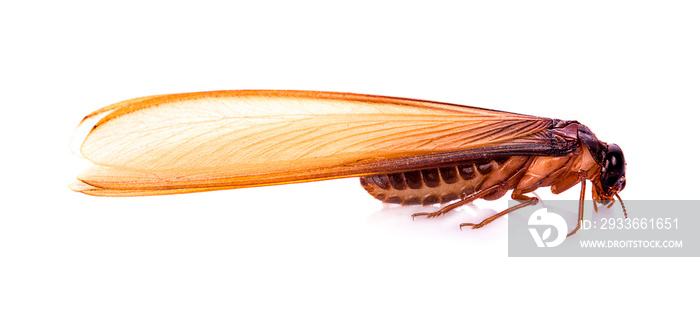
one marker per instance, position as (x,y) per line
(445,184)
(405,151)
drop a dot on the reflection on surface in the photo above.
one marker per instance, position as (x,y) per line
(394,218)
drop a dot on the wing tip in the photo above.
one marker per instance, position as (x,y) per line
(84,129)
(90,190)
(84,188)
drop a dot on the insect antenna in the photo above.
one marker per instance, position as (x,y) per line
(623,205)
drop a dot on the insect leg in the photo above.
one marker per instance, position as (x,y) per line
(595,202)
(525,201)
(580,207)
(466,200)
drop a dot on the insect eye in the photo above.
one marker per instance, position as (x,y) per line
(609,180)
(612,174)
(614,160)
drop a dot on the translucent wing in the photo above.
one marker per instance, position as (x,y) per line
(228,139)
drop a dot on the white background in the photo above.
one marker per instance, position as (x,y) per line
(627,69)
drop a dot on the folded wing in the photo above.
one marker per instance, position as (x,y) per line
(228,139)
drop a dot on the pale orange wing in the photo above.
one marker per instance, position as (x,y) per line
(191,142)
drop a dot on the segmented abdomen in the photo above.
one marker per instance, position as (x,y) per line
(444,184)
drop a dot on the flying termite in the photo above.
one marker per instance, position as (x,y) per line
(405,151)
